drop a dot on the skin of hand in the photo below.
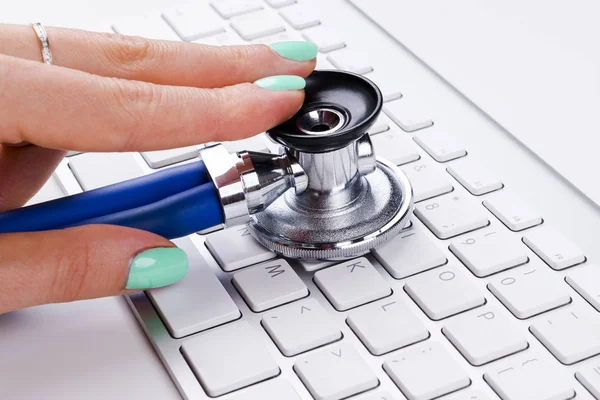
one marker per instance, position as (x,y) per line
(108,92)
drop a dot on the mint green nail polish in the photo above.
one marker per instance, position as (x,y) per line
(297,51)
(282,82)
(157,267)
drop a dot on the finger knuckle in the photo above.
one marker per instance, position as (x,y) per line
(224,104)
(239,54)
(128,54)
(136,105)
(71,270)
(229,107)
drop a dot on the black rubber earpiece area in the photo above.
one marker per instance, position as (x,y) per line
(351,102)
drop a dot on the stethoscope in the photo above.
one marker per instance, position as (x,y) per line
(324,196)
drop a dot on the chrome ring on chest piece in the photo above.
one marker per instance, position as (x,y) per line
(326,196)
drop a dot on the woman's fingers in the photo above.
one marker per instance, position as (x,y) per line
(60,108)
(83,263)
(161,62)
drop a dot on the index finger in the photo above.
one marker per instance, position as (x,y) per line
(66,109)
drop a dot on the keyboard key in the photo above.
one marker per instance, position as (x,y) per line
(427,180)
(379,126)
(256,25)
(443,292)
(269,285)
(228,38)
(335,373)
(571,333)
(273,389)
(379,395)
(211,229)
(468,394)
(311,266)
(325,39)
(350,60)
(193,21)
(586,281)
(235,248)
(116,167)
(300,16)
(352,284)
(387,325)
(388,85)
(474,177)
(409,253)
(162,158)
(376,396)
(232,8)
(407,115)
(484,335)
(530,290)
(440,145)
(301,326)
(280,3)
(235,348)
(556,250)
(425,371)
(395,147)
(512,211)
(527,377)
(148,26)
(589,376)
(285,36)
(51,190)
(196,303)
(451,215)
(489,251)
(323,63)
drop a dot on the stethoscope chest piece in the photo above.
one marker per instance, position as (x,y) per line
(347,201)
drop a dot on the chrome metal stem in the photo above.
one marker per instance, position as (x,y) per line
(334,178)
(328,172)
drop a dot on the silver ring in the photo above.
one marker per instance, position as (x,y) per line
(40,31)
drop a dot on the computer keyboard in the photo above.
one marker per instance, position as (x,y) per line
(481,297)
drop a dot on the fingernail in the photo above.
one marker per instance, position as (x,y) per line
(282,82)
(157,267)
(297,51)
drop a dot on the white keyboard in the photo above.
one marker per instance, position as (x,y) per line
(482,297)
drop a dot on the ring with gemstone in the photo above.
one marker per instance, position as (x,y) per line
(40,31)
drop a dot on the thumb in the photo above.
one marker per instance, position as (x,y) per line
(83,263)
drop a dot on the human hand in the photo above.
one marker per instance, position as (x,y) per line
(119,94)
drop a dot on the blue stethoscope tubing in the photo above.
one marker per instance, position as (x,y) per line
(172,203)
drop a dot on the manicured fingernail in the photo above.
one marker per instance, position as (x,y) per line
(157,267)
(282,82)
(297,51)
